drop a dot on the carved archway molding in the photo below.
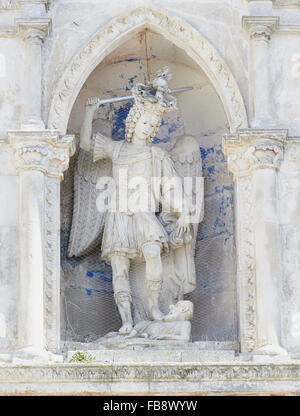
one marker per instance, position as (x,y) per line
(116,33)
(76,73)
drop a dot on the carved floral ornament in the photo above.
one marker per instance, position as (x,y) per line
(173,29)
(35,36)
(260,27)
(34,30)
(8,4)
(251,150)
(166,372)
(259,156)
(41,151)
(260,32)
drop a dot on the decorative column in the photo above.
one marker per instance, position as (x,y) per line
(40,157)
(33,31)
(260,29)
(253,158)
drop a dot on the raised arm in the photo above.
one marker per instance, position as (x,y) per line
(86,129)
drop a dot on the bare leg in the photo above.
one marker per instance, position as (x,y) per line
(122,292)
(153,278)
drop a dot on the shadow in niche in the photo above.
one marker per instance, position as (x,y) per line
(88,307)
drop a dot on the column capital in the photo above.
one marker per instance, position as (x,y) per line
(260,27)
(45,151)
(251,149)
(34,29)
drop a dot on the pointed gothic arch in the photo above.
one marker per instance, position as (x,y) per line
(117,32)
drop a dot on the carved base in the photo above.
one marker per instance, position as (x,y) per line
(113,343)
(153,378)
(189,368)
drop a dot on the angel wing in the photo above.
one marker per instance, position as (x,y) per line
(188,164)
(87,221)
(186,157)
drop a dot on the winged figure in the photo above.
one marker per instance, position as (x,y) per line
(147,221)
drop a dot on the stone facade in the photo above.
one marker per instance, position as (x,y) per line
(242,59)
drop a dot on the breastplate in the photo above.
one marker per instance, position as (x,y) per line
(133,163)
(132,171)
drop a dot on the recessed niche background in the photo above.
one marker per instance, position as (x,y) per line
(87,302)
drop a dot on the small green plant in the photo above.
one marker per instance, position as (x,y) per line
(81,357)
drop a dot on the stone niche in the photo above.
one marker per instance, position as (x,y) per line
(88,309)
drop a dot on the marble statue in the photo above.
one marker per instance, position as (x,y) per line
(147,219)
(175,325)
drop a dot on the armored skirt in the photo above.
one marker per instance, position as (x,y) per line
(127,234)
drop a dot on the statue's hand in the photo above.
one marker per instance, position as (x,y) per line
(93,103)
(182,225)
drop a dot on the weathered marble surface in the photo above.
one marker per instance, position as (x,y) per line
(219,22)
(228,53)
(86,283)
(207,378)
(9,249)
(289,199)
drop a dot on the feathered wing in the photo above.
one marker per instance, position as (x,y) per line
(187,160)
(87,222)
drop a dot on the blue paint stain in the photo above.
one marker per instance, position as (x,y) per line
(213,163)
(205,152)
(133,59)
(157,140)
(131,80)
(218,223)
(100,263)
(221,224)
(173,127)
(167,129)
(119,118)
(98,274)
(90,291)
(127,60)
(219,189)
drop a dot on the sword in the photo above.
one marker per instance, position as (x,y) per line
(130,97)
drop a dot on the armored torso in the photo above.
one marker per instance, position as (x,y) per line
(132,171)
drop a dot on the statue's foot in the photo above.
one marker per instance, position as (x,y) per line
(132,334)
(126,328)
(156,314)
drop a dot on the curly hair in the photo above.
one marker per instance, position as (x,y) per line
(133,116)
(187,308)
